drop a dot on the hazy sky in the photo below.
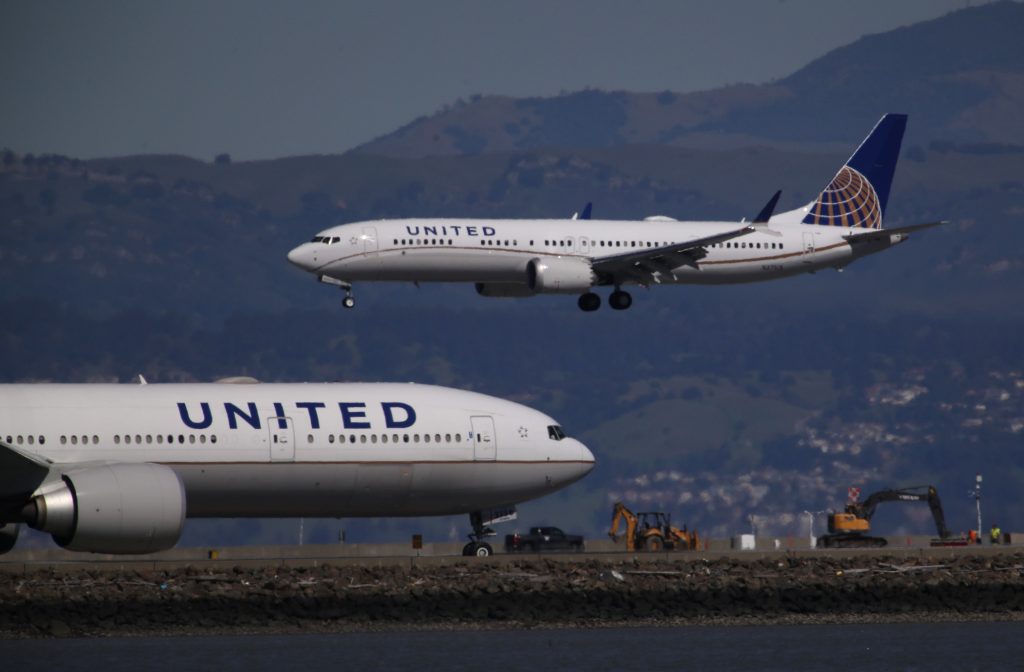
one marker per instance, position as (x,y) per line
(267,78)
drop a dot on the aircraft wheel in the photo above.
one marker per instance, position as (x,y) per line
(589,302)
(348,302)
(483,549)
(620,300)
(8,536)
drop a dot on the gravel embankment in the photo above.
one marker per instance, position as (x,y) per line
(530,593)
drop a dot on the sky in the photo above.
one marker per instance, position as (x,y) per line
(263,79)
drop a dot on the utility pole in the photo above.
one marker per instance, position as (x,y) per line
(977,501)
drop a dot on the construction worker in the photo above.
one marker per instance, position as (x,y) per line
(995,533)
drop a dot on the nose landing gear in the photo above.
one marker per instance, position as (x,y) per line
(477,546)
(349,301)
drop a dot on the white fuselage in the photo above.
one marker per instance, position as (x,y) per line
(360,449)
(498,251)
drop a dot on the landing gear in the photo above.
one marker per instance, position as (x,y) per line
(620,300)
(477,546)
(589,302)
(349,301)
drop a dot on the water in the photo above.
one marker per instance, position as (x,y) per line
(814,648)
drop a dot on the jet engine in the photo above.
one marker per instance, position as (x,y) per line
(559,275)
(117,508)
(503,289)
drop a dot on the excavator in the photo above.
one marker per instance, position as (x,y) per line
(651,531)
(849,528)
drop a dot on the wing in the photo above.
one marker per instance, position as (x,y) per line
(20,473)
(885,233)
(648,264)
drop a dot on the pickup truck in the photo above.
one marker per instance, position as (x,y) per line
(543,539)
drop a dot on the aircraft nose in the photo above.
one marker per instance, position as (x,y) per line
(297,257)
(587,459)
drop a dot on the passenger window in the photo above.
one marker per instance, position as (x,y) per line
(458,438)
(426,438)
(74,440)
(309,438)
(213,438)
(362,438)
(373,438)
(31,440)
(42,440)
(405,438)
(191,438)
(159,438)
(181,438)
(415,438)
(383,438)
(117,439)
(63,440)
(394,438)
(437,438)
(330,438)
(202,438)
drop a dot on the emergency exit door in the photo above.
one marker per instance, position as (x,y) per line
(282,439)
(485,443)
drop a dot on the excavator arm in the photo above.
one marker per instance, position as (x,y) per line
(620,513)
(917,493)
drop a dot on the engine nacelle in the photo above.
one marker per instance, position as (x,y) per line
(559,275)
(117,508)
(503,289)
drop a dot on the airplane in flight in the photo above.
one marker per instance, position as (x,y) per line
(117,468)
(527,257)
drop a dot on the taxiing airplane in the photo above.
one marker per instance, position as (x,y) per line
(526,257)
(117,468)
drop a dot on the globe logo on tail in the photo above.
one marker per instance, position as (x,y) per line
(849,200)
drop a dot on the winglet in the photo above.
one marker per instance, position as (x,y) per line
(768,209)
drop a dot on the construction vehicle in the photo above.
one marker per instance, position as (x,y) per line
(651,531)
(849,528)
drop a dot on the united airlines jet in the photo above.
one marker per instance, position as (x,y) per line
(117,468)
(526,257)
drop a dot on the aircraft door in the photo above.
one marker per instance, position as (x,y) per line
(808,251)
(485,442)
(282,439)
(584,245)
(369,240)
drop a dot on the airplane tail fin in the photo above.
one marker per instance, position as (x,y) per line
(856,197)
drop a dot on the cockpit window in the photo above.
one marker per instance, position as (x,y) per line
(317,239)
(555,433)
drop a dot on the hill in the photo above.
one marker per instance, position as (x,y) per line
(960,77)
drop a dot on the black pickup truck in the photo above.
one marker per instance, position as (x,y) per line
(543,539)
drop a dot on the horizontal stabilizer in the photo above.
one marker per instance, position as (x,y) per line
(910,228)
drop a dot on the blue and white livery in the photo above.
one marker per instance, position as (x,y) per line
(117,468)
(523,257)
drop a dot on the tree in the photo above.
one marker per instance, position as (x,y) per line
(223,159)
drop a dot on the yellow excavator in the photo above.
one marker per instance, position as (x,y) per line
(651,531)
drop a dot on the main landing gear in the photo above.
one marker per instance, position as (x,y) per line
(349,301)
(477,546)
(618,300)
